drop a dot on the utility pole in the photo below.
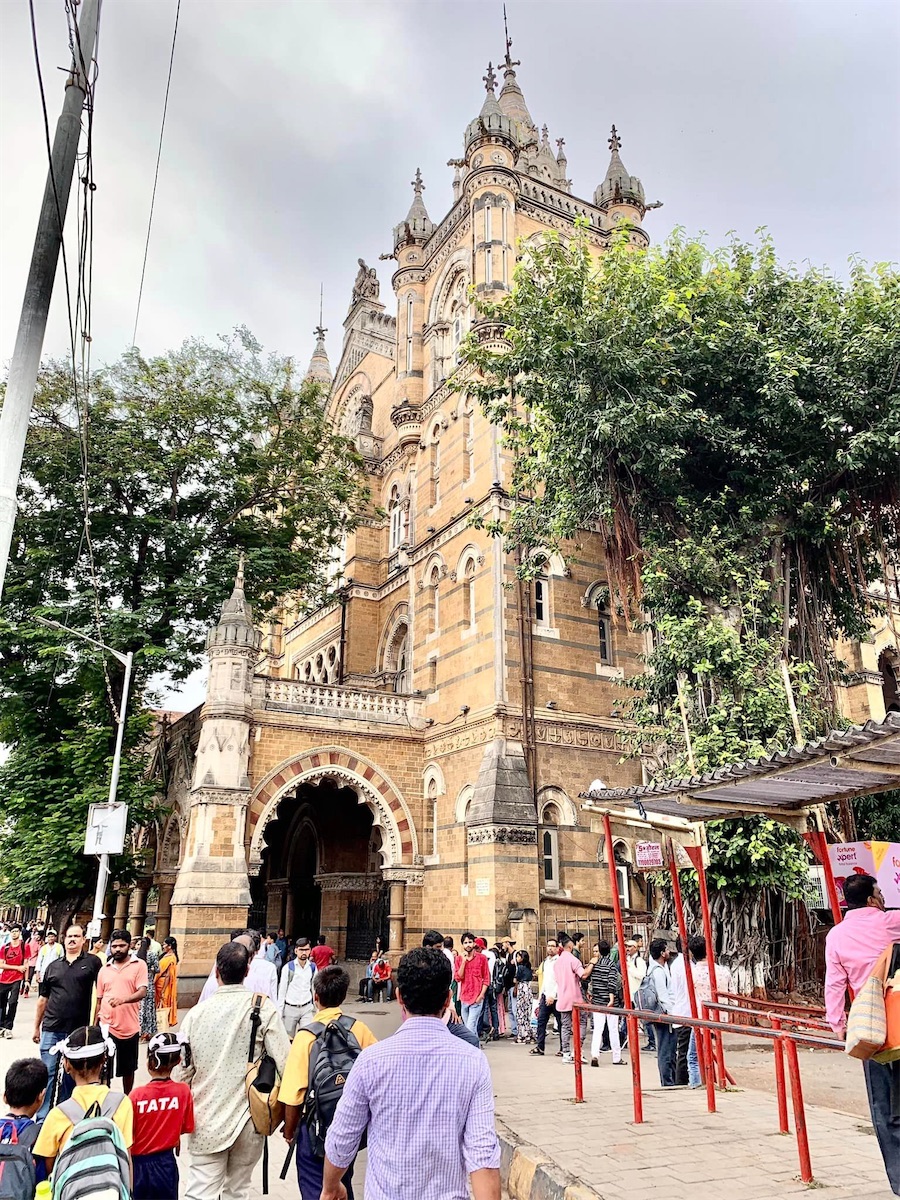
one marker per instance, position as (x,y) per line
(26,359)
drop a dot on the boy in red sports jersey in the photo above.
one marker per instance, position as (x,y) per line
(163,1111)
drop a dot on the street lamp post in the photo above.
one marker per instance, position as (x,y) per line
(126,660)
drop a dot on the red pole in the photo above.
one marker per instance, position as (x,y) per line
(780,1092)
(819,846)
(695,853)
(576,1047)
(708,1068)
(806,1173)
(633,1039)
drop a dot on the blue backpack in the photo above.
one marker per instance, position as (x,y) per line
(17,1179)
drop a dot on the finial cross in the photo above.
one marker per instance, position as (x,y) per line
(417,185)
(490,79)
(320,331)
(560,142)
(615,142)
(508,61)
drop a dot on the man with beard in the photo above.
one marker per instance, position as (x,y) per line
(121,988)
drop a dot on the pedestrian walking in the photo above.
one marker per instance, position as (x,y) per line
(121,988)
(851,951)
(605,981)
(658,975)
(166,984)
(523,998)
(567,971)
(546,995)
(225,1147)
(474,977)
(262,976)
(32,950)
(322,954)
(308,1112)
(148,955)
(295,992)
(12,976)
(424,1098)
(49,951)
(64,1004)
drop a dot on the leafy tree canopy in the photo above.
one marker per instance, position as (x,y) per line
(181,462)
(731,428)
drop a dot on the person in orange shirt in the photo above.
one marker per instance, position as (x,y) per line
(121,987)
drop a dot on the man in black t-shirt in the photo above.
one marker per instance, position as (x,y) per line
(64,1004)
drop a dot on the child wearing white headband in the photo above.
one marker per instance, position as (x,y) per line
(163,1111)
(84,1053)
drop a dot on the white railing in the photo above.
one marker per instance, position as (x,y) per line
(355,704)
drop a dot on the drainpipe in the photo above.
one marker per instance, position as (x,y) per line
(345,596)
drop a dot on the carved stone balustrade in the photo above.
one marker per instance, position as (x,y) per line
(353,704)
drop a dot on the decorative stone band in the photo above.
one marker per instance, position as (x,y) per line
(407,875)
(355,882)
(514,835)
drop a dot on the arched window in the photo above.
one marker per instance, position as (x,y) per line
(604,632)
(542,599)
(432,791)
(890,687)
(469,442)
(409,333)
(469,592)
(395,517)
(434,466)
(430,602)
(550,847)
(623,878)
(488,222)
(402,678)
(505,271)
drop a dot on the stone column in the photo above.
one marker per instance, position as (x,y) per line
(123,897)
(164,911)
(138,909)
(400,878)
(289,930)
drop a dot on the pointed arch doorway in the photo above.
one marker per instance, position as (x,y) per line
(320,869)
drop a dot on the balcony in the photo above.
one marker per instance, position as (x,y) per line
(329,700)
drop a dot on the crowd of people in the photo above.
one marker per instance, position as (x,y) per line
(281,1008)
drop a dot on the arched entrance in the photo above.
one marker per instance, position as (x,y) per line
(325,827)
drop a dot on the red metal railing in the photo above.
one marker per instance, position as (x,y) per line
(785,1045)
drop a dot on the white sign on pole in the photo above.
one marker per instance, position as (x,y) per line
(648,856)
(106,829)
(94,927)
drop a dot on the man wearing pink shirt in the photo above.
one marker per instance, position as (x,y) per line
(851,950)
(567,971)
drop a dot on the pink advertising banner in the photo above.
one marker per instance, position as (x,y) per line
(881,859)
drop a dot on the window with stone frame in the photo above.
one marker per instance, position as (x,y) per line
(549,834)
(468,433)
(396,518)
(469,609)
(434,467)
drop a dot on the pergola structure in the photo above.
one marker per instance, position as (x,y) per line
(789,786)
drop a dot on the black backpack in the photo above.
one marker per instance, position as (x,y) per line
(16,1161)
(331,1058)
(498,976)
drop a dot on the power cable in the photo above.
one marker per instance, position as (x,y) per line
(162,130)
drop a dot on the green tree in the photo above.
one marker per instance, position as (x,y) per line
(732,428)
(180,462)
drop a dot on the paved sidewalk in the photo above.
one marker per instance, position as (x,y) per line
(681,1152)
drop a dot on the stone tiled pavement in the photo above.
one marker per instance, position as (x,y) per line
(681,1152)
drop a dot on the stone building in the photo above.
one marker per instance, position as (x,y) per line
(411,755)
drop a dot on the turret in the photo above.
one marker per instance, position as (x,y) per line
(492,149)
(620,195)
(319,369)
(409,284)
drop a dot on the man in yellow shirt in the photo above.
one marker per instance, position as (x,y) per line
(84,1057)
(330,987)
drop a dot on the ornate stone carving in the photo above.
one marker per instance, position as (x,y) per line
(408,875)
(511,835)
(338,882)
(366,285)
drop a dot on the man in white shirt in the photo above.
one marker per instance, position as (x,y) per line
(225,1147)
(547,995)
(666,1037)
(295,994)
(50,951)
(682,1003)
(262,976)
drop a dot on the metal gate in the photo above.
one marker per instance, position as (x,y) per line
(367,919)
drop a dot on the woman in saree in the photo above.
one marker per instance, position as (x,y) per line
(167,981)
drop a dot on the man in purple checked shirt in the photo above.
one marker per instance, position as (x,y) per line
(426,1099)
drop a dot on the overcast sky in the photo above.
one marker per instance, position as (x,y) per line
(295,126)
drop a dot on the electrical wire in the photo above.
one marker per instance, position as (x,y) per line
(162,130)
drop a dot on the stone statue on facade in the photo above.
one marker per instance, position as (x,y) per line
(366,286)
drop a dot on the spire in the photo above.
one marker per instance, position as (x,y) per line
(235,612)
(490,106)
(418,226)
(511,101)
(619,187)
(319,369)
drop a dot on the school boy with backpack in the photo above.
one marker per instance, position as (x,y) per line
(321,1057)
(89,1135)
(163,1111)
(23,1093)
